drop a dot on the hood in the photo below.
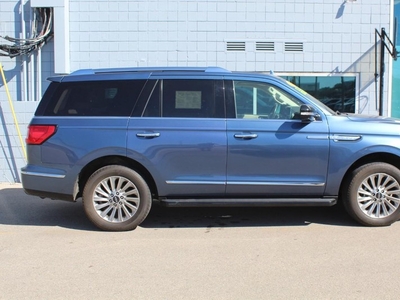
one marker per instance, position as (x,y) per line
(375,119)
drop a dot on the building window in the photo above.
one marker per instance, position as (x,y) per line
(337,92)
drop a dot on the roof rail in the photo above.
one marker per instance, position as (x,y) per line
(83,72)
(150,69)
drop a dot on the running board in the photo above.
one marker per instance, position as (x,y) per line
(248,202)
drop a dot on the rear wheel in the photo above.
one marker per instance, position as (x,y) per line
(116,198)
(372,195)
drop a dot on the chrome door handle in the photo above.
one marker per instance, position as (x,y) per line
(247,136)
(148,135)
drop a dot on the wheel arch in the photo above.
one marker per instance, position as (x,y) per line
(103,161)
(383,157)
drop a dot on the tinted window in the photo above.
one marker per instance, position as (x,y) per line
(264,101)
(153,104)
(94,98)
(193,98)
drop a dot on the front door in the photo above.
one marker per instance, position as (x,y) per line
(270,152)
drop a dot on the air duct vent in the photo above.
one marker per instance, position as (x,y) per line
(265,46)
(293,47)
(236,46)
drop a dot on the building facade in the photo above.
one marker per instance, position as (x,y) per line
(329,48)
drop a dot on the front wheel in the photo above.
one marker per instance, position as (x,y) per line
(372,195)
(116,198)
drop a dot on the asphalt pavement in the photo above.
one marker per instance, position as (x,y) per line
(49,250)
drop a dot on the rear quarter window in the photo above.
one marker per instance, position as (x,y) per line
(91,98)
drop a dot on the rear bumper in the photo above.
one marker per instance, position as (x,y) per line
(47,183)
(54,196)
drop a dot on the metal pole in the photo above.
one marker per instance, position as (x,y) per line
(382,72)
(24,62)
(39,74)
(342,81)
(376,69)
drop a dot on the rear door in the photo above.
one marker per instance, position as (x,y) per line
(178,133)
(270,153)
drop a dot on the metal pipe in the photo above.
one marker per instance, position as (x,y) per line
(39,74)
(24,62)
(376,68)
(32,63)
(32,81)
(382,72)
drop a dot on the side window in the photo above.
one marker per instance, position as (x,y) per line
(188,98)
(185,98)
(94,98)
(264,101)
(153,104)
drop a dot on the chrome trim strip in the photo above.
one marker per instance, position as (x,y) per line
(43,174)
(277,183)
(82,117)
(318,137)
(314,184)
(193,182)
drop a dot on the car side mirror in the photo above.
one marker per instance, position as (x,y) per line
(307,113)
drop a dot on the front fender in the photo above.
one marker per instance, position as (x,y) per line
(344,157)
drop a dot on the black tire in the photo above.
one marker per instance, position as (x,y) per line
(372,194)
(116,198)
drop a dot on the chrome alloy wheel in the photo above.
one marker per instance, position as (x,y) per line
(116,199)
(379,195)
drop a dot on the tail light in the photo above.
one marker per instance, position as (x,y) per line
(38,134)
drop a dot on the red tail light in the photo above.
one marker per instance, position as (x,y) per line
(38,134)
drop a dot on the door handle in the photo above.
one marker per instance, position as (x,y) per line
(148,135)
(246,136)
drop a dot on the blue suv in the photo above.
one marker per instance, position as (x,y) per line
(121,138)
